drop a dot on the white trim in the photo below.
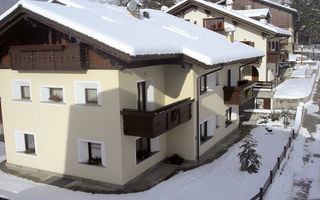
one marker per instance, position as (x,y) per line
(16,89)
(103,152)
(35,143)
(79,92)
(46,96)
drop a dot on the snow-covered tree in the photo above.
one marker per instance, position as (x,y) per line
(249,158)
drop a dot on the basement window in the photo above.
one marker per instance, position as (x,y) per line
(91,152)
(145,148)
(25,143)
(206,131)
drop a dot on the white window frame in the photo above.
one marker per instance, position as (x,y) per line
(217,81)
(210,128)
(210,83)
(218,125)
(20,143)
(83,153)
(45,94)
(16,85)
(80,95)
(154,148)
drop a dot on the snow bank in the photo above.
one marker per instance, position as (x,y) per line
(221,179)
(298,119)
(296,88)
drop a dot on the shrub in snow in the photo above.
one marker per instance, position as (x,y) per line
(249,158)
(274,116)
(176,159)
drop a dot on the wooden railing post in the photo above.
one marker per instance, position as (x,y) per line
(261,194)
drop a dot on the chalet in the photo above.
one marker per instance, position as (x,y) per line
(108,94)
(241,26)
(283,16)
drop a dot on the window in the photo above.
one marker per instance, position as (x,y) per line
(206,83)
(87,93)
(145,148)
(217,121)
(246,6)
(248,43)
(142,97)
(21,90)
(231,115)
(188,20)
(56,94)
(217,78)
(91,96)
(206,130)
(91,152)
(214,24)
(52,94)
(25,143)
(227,116)
(203,84)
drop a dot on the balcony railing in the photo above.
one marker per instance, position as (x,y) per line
(273,56)
(154,123)
(240,94)
(48,57)
(265,85)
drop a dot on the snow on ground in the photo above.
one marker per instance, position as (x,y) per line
(300,176)
(294,88)
(220,179)
(304,72)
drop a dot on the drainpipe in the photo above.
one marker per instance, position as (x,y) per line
(198,111)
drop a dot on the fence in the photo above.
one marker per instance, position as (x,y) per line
(273,172)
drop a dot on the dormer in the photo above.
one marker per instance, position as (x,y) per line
(133,7)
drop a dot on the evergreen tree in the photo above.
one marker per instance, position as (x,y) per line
(249,158)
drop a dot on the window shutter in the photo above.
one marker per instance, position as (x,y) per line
(234,112)
(155,144)
(20,143)
(210,127)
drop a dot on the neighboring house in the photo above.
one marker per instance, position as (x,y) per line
(282,16)
(239,26)
(108,94)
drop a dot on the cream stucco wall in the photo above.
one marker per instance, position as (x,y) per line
(243,33)
(59,126)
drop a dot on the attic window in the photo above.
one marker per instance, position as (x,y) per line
(214,24)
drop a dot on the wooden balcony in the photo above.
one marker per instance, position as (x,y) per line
(48,57)
(240,94)
(151,124)
(273,56)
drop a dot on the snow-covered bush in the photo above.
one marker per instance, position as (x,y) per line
(274,116)
(249,158)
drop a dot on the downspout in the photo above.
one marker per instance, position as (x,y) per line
(198,112)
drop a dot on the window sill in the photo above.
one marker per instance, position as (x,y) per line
(89,105)
(204,140)
(53,103)
(91,165)
(152,155)
(22,100)
(27,154)
(207,93)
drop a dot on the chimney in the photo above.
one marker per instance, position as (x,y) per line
(229,4)
(230,29)
(164,8)
(133,7)
(263,19)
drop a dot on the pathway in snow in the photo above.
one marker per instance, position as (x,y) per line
(299,178)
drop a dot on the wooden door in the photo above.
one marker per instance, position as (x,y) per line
(266,103)
(255,74)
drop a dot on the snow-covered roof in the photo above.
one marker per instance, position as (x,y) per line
(160,34)
(234,13)
(269,2)
(254,13)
